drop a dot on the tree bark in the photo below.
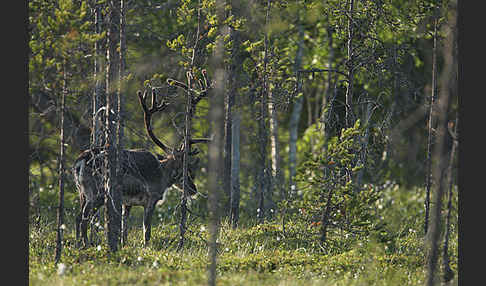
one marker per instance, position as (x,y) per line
(120,100)
(431,125)
(60,209)
(325,215)
(437,156)
(277,174)
(121,75)
(235,170)
(295,116)
(350,67)
(235,128)
(97,97)
(187,150)
(112,195)
(227,145)
(216,117)
(263,179)
(448,273)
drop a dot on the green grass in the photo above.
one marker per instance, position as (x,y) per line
(251,255)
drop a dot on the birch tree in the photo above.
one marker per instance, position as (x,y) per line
(60,209)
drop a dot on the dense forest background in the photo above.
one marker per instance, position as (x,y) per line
(331,112)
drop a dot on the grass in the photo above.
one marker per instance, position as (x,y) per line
(250,255)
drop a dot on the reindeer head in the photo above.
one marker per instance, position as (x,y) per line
(173,163)
(173,159)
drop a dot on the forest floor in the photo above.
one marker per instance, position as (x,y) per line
(250,255)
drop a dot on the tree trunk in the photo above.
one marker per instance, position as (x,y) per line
(235,129)
(329,90)
(227,145)
(121,74)
(120,101)
(277,174)
(60,209)
(325,215)
(448,273)
(97,97)
(264,193)
(187,150)
(98,100)
(112,195)
(350,67)
(235,170)
(295,116)
(437,156)
(216,117)
(431,126)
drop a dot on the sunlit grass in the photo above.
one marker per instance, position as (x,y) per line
(250,255)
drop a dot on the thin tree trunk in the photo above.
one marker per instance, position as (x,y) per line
(60,209)
(235,128)
(121,74)
(438,158)
(264,194)
(448,273)
(295,116)
(277,175)
(98,101)
(216,117)
(235,170)
(350,67)
(431,124)
(325,216)
(227,144)
(120,100)
(97,97)
(187,150)
(329,90)
(309,97)
(112,195)
(228,102)
(190,108)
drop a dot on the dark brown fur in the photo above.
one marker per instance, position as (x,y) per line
(143,181)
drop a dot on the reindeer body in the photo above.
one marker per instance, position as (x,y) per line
(143,180)
(143,177)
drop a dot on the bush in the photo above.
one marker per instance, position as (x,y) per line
(328,195)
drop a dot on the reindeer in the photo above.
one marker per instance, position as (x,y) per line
(143,177)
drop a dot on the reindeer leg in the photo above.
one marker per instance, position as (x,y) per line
(124,226)
(84,218)
(79,217)
(78,225)
(147,219)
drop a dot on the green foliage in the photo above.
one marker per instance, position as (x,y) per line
(392,255)
(326,186)
(373,235)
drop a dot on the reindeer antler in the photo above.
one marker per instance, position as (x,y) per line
(156,107)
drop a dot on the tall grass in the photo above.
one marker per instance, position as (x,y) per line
(253,254)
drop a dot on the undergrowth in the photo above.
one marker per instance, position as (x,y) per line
(392,254)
